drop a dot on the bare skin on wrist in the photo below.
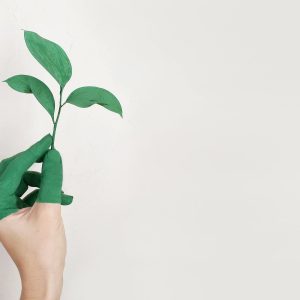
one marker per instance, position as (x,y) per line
(35,240)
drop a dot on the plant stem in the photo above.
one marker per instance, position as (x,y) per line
(57,118)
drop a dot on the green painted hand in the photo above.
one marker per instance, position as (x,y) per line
(15,178)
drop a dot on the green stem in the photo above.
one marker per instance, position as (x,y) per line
(57,117)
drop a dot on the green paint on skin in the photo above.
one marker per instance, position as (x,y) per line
(15,178)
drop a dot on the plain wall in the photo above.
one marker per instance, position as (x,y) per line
(195,193)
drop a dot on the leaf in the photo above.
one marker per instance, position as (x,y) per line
(50,55)
(31,85)
(89,95)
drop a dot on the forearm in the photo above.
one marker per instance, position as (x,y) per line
(41,287)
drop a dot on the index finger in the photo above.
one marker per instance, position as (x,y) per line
(12,175)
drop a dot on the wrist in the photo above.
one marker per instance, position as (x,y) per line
(41,286)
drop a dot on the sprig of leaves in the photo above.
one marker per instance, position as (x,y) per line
(55,60)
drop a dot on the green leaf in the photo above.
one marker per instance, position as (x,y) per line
(31,85)
(50,55)
(89,95)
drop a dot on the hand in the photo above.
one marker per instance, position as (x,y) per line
(32,229)
(15,179)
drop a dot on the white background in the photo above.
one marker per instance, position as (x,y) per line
(195,193)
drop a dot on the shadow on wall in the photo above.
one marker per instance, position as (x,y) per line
(10,283)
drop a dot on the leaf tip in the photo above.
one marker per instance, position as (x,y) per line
(24,31)
(6,80)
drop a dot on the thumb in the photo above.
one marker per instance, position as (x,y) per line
(52,176)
